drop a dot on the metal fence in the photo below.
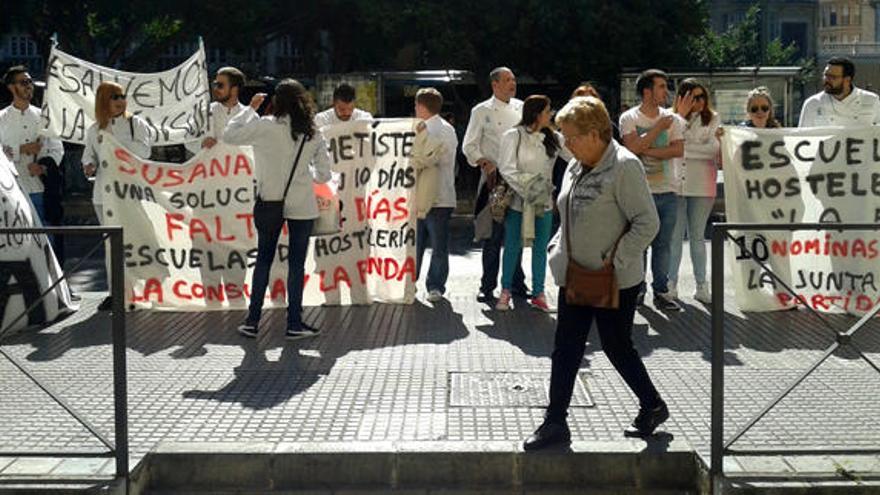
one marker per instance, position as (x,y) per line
(117,448)
(719,446)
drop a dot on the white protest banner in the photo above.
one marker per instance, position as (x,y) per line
(373,257)
(27,263)
(174,103)
(190,241)
(790,176)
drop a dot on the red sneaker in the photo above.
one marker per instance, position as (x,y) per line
(540,302)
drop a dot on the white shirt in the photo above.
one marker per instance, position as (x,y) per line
(859,108)
(523,155)
(220,115)
(274,153)
(19,127)
(445,133)
(661,173)
(489,121)
(697,171)
(328,117)
(132,134)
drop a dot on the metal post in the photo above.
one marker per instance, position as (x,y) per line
(716,469)
(120,381)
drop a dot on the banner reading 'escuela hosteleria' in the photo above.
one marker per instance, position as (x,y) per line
(790,176)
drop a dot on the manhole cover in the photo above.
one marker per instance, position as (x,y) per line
(510,389)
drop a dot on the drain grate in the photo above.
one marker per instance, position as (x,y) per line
(510,389)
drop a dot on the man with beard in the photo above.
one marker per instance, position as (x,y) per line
(841,103)
(343,109)
(36,158)
(227,86)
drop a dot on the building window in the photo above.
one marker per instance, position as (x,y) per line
(844,18)
(832,16)
(857,15)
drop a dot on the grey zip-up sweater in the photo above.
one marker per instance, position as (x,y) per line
(609,196)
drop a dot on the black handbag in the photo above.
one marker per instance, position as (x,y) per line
(269,215)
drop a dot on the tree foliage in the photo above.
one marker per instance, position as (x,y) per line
(741,45)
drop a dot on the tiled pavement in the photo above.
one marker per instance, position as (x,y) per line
(384,372)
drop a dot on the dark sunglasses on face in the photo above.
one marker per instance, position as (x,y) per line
(25,82)
(117,97)
(763,108)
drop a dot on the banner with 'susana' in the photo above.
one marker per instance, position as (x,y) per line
(174,103)
(789,176)
(191,244)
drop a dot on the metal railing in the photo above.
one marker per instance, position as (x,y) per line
(719,446)
(118,448)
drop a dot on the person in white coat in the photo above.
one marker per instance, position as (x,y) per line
(697,175)
(528,154)
(132,132)
(840,103)
(278,140)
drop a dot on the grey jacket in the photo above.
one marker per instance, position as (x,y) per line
(609,196)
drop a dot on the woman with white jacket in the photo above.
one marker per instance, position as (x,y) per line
(528,153)
(698,172)
(277,140)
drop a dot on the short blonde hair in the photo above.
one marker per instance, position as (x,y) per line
(106,90)
(586,113)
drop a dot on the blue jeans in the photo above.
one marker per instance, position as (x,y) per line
(434,228)
(37,200)
(693,212)
(667,210)
(267,242)
(513,249)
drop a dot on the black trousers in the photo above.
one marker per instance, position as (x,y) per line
(615,330)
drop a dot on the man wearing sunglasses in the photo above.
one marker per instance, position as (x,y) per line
(36,158)
(840,103)
(225,89)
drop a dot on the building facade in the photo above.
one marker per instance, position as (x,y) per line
(792,21)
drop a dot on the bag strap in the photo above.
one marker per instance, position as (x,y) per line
(131,126)
(567,222)
(293,170)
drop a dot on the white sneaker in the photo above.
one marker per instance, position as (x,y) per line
(503,303)
(434,295)
(703,294)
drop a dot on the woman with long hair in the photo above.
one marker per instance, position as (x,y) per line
(529,151)
(132,132)
(697,171)
(287,149)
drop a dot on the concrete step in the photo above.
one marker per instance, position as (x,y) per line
(419,468)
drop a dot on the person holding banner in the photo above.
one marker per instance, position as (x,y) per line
(840,103)
(132,132)
(528,154)
(433,224)
(759,109)
(608,220)
(227,86)
(36,158)
(343,109)
(290,154)
(698,174)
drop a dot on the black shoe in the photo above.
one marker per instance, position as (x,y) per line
(665,302)
(106,304)
(302,333)
(486,297)
(647,421)
(548,434)
(522,292)
(248,329)
(309,327)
